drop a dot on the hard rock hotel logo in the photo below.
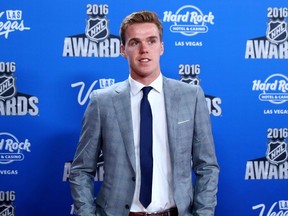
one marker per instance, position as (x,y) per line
(11,149)
(273,89)
(97,40)
(275,44)
(189,21)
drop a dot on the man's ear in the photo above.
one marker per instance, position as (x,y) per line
(123,53)
(162,48)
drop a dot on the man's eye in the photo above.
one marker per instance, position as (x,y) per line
(150,42)
(134,43)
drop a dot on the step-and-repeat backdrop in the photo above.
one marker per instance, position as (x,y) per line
(53,54)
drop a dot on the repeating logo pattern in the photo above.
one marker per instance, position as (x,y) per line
(274,165)
(277,208)
(11,21)
(7,199)
(186,26)
(11,149)
(190,75)
(188,20)
(97,40)
(13,103)
(274,89)
(82,98)
(275,44)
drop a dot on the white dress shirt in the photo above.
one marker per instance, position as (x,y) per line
(162,194)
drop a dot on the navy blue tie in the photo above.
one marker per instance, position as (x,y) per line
(146,157)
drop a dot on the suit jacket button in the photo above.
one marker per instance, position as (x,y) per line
(133,179)
(127,206)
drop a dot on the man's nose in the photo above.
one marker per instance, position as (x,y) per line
(143,47)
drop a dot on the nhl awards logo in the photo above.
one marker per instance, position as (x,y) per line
(7,207)
(97,29)
(14,103)
(97,40)
(7,210)
(277,31)
(7,87)
(274,165)
(274,45)
(189,74)
(277,152)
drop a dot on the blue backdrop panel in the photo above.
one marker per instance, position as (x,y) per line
(53,55)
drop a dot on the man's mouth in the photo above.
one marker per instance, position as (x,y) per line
(144,60)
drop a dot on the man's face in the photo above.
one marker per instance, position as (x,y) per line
(143,49)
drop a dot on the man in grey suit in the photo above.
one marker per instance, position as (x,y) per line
(182,138)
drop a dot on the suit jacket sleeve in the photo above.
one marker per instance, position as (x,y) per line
(84,165)
(204,161)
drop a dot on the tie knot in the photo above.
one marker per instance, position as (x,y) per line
(146,90)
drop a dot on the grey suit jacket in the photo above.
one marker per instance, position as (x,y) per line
(107,126)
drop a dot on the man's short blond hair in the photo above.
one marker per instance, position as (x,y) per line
(140,17)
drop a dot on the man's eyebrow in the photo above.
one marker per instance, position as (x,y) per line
(153,37)
(134,39)
(138,39)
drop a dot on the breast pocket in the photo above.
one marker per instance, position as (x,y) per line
(184,132)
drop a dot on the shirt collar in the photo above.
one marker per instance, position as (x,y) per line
(136,86)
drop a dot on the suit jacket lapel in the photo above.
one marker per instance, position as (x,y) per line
(122,106)
(170,96)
